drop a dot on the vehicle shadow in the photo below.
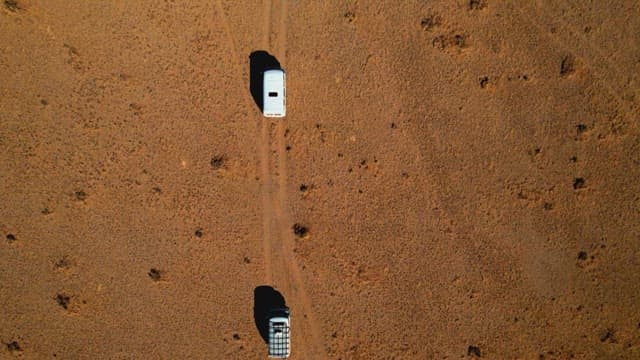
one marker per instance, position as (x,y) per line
(259,61)
(265,298)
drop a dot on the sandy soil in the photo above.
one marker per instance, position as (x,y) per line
(466,173)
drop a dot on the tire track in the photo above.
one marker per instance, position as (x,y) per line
(267,211)
(308,340)
(265,172)
(314,348)
(266,25)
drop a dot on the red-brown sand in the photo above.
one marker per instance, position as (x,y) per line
(467,173)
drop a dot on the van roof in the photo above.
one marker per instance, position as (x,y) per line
(274,78)
(273,72)
(273,97)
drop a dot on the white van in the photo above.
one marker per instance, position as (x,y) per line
(274,100)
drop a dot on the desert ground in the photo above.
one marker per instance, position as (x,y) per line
(453,179)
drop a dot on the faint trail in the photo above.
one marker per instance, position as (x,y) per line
(282,36)
(266,25)
(263,145)
(237,60)
(592,56)
(227,31)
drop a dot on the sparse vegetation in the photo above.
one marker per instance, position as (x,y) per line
(80,195)
(430,22)
(63,263)
(581,128)
(440,173)
(217,162)
(476,4)
(473,351)
(11,5)
(155,274)
(448,41)
(300,230)
(14,347)
(63,300)
(350,16)
(567,65)
(609,336)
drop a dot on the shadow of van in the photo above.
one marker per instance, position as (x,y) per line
(259,61)
(265,298)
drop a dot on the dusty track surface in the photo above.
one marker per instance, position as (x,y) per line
(466,173)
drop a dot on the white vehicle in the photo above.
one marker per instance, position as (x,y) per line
(279,339)
(274,100)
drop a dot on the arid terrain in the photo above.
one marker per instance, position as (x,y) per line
(454,179)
